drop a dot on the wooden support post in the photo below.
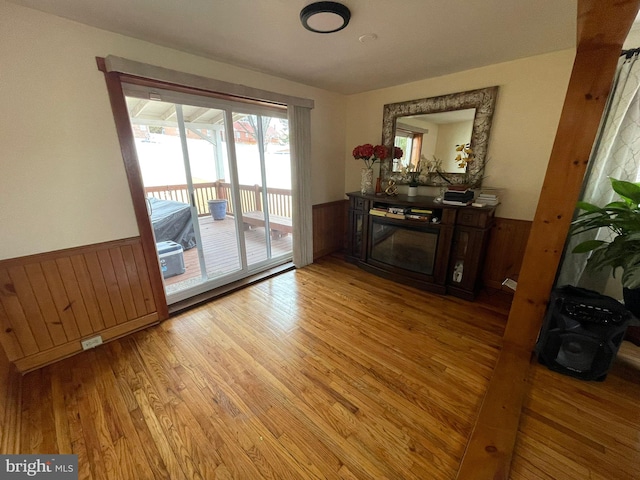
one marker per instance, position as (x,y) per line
(258,197)
(602,28)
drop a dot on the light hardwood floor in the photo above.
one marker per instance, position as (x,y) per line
(323,372)
(571,429)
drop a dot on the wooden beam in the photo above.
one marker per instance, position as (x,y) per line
(196,114)
(488,454)
(602,28)
(138,108)
(168,113)
(172,123)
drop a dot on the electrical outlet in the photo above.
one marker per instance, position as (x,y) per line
(91,342)
(512,284)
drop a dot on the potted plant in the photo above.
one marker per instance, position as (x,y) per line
(413,183)
(622,219)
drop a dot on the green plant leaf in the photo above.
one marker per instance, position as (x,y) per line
(598,260)
(589,207)
(633,261)
(633,237)
(631,277)
(587,246)
(616,205)
(627,190)
(590,220)
(622,219)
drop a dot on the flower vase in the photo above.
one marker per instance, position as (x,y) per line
(366,181)
(413,191)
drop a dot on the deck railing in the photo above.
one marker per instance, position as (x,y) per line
(279,199)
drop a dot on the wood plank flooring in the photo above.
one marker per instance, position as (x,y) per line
(323,372)
(573,430)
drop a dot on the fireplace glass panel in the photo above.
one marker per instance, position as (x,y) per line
(403,247)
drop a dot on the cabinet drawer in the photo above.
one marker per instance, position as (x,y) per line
(358,203)
(472,217)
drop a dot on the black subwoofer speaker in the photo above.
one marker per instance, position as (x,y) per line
(582,333)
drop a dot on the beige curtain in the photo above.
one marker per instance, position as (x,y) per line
(300,145)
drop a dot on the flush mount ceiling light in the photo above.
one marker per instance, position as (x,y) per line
(325,17)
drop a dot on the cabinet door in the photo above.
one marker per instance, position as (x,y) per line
(356,234)
(465,260)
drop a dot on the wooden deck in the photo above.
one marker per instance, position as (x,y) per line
(221,251)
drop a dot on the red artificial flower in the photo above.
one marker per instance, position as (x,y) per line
(366,150)
(370,154)
(397,152)
(380,152)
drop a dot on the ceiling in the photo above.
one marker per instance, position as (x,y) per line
(416,39)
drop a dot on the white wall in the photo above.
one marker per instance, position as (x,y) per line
(62,179)
(430,141)
(528,108)
(450,135)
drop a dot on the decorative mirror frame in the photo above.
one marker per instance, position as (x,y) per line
(483,100)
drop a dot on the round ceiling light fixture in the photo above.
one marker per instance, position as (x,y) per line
(325,17)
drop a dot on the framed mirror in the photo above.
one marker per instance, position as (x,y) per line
(431,131)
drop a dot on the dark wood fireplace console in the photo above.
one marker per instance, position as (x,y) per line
(443,254)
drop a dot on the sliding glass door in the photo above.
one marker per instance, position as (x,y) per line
(262,157)
(217,178)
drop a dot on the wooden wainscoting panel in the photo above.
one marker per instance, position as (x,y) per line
(144,278)
(329,227)
(10,341)
(72,288)
(41,359)
(27,300)
(507,243)
(96,319)
(49,302)
(5,367)
(64,306)
(16,321)
(10,393)
(131,269)
(110,280)
(45,302)
(100,287)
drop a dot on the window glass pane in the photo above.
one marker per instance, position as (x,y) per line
(264,176)
(188,160)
